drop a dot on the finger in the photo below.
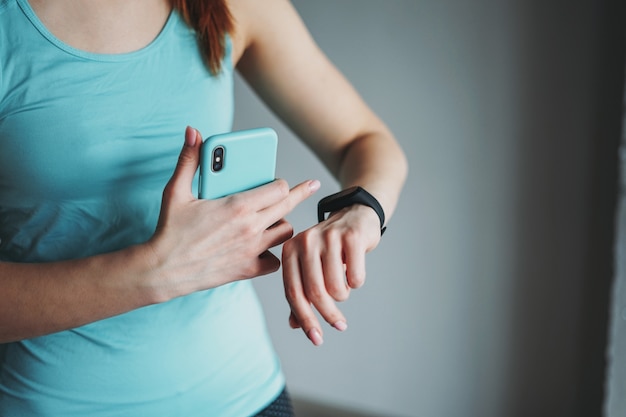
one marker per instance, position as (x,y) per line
(293,321)
(355,262)
(296,195)
(263,264)
(265,195)
(313,282)
(188,160)
(278,233)
(334,276)
(301,309)
(268,263)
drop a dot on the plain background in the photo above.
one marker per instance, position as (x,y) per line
(488,295)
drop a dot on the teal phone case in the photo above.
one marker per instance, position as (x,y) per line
(249,160)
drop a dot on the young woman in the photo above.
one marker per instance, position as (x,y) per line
(121,294)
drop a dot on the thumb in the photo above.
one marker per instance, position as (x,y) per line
(187,165)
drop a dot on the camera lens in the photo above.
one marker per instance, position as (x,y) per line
(218,159)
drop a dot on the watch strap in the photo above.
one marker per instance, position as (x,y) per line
(349,197)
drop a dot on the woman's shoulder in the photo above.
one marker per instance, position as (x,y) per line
(254,19)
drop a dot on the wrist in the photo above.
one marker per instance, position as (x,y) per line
(151,275)
(367,217)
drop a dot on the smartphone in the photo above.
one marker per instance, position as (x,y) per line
(237,161)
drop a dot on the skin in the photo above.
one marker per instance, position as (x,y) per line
(192,250)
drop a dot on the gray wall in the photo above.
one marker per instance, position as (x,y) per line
(487,295)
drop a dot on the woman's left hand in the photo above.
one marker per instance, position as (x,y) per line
(322,264)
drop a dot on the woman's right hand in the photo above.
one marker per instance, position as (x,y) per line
(201,244)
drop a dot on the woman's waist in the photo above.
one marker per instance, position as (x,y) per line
(196,346)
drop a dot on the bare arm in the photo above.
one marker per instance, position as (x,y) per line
(198,244)
(43,298)
(280,60)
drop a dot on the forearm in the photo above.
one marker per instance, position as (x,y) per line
(38,299)
(377,163)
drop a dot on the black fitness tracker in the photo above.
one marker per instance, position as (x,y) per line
(349,197)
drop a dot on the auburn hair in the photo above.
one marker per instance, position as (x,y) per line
(212,21)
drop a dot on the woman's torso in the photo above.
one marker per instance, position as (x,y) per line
(87,143)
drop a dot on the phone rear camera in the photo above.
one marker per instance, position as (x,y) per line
(218,159)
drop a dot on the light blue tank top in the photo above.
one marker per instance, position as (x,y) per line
(87,143)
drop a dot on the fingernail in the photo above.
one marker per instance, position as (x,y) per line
(190,136)
(314,185)
(315,337)
(340,325)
